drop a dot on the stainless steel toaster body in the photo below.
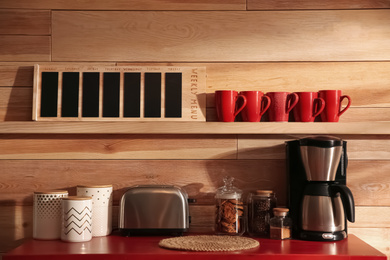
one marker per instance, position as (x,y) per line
(154,210)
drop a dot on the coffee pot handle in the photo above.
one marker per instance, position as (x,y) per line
(347,199)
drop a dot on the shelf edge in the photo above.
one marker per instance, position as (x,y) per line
(354,128)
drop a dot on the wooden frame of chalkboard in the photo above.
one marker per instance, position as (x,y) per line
(124,93)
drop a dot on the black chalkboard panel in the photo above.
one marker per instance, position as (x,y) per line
(152,94)
(90,107)
(111,94)
(96,92)
(70,94)
(173,94)
(49,94)
(132,94)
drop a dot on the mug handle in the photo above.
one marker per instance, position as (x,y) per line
(290,97)
(266,106)
(348,105)
(319,102)
(242,106)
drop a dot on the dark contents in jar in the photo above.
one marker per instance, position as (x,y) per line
(261,214)
(229,214)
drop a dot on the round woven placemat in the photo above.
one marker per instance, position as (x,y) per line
(209,243)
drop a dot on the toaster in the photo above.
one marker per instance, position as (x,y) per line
(154,210)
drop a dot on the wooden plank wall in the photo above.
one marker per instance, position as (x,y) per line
(245,45)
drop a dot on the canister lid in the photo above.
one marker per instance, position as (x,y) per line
(264,192)
(77,198)
(95,186)
(51,192)
(228,191)
(321,141)
(281,211)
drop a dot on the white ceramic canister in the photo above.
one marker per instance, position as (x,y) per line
(47,214)
(76,219)
(102,207)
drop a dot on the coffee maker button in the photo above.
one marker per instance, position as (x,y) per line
(327,236)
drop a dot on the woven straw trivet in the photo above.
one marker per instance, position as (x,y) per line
(209,243)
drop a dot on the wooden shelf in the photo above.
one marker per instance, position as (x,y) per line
(358,128)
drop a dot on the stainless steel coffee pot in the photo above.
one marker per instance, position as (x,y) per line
(324,205)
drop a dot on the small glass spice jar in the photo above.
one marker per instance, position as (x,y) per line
(229,209)
(280,224)
(260,206)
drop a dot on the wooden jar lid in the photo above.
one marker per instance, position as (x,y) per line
(51,192)
(77,198)
(95,186)
(280,211)
(264,192)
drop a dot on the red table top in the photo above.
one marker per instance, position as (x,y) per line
(145,248)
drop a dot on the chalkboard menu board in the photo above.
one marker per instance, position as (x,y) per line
(109,93)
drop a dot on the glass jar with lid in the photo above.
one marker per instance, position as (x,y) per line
(260,206)
(229,218)
(280,224)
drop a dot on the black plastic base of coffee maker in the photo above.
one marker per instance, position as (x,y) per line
(322,236)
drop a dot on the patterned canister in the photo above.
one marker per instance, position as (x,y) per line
(47,214)
(76,219)
(102,207)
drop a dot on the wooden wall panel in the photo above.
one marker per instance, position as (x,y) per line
(21,76)
(16,97)
(369,182)
(25,22)
(118,147)
(273,147)
(127,4)
(376,237)
(200,178)
(15,114)
(221,36)
(25,48)
(364,217)
(15,226)
(316,4)
(196,5)
(16,103)
(136,147)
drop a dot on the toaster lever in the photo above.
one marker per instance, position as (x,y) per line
(191,200)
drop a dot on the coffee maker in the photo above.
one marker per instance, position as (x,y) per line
(320,202)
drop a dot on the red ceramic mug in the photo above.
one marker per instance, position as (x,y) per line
(256,105)
(333,100)
(281,105)
(308,107)
(227,106)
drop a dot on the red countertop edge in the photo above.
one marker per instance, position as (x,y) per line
(146,248)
